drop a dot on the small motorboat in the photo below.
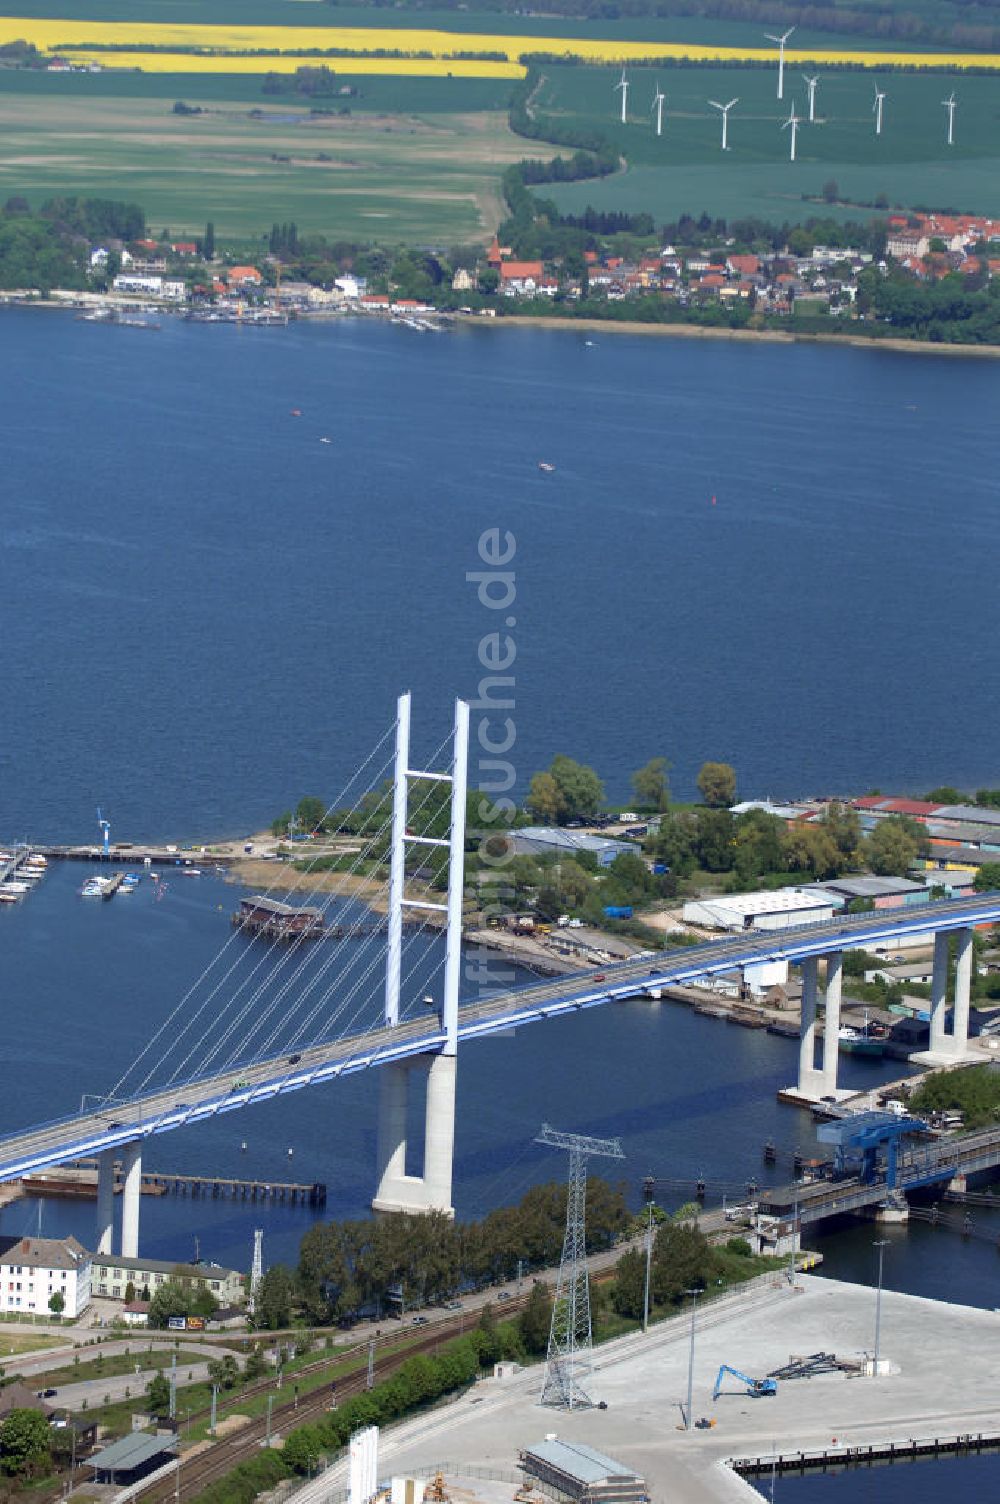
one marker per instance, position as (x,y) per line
(544,465)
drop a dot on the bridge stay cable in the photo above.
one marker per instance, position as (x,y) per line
(299,951)
(410,943)
(355,954)
(208,1052)
(117,1089)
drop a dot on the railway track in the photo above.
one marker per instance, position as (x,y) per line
(219,1459)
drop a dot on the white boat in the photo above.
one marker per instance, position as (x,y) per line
(190,872)
(14,889)
(9,897)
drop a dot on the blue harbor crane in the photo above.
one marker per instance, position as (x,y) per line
(105,832)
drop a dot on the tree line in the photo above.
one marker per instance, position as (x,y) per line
(399,1261)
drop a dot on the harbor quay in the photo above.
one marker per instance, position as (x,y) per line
(936,1383)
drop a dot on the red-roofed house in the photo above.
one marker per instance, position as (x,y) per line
(918,809)
(711,282)
(519,278)
(742,266)
(375,301)
(244,276)
(493,257)
(185,248)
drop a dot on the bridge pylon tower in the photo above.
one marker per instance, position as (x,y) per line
(431,1191)
(568,1360)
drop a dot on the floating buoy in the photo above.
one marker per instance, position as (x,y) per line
(296,412)
(713,501)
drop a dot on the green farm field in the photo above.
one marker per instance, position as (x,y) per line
(686,171)
(393,177)
(376,93)
(471,21)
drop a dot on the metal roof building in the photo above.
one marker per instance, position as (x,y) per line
(780,910)
(572,1470)
(133,1456)
(884,892)
(967,814)
(553,840)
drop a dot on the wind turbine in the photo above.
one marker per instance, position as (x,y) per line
(949,105)
(725,108)
(658,99)
(781,57)
(623,85)
(877,107)
(794,121)
(811,86)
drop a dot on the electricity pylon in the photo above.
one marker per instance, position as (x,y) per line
(567,1362)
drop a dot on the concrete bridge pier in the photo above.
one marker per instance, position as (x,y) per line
(809,1076)
(939,995)
(946,1048)
(431,1191)
(131,1196)
(817,1081)
(105,1201)
(831,1024)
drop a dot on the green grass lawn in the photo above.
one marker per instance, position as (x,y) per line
(12,1343)
(108,1368)
(685,169)
(429,178)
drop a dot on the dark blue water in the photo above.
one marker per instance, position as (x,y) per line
(208,612)
(86,982)
(924,1482)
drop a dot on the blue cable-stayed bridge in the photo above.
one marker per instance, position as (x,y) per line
(275,1020)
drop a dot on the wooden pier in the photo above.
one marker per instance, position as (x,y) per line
(80,1180)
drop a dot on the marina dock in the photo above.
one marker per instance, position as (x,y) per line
(20,867)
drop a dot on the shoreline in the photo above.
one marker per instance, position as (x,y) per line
(896,343)
(766,336)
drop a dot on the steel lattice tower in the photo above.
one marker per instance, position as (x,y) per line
(567,1362)
(257,1271)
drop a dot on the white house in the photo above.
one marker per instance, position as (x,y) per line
(33,1270)
(135,282)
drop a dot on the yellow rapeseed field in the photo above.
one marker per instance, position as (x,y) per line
(187,62)
(59,35)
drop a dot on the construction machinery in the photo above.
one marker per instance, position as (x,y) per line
(756,1388)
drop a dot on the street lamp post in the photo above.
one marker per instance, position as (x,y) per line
(882,1244)
(649,1261)
(688,1419)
